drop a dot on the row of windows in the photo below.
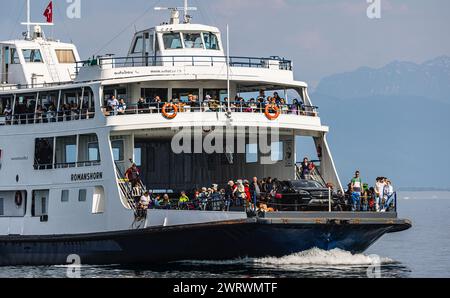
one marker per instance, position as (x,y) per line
(40,201)
(64,56)
(176,40)
(66,152)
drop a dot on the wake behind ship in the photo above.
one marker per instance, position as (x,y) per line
(70,129)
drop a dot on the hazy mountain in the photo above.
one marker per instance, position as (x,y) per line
(430,80)
(392,121)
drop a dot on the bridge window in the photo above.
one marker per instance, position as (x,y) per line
(14,56)
(211,41)
(193,41)
(172,41)
(65,56)
(32,56)
(138,46)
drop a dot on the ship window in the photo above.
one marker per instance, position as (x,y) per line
(150,93)
(251,153)
(117,148)
(39,204)
(193,41)
(14,56)
(64,196)
(172,41)
(211,41)
(98,200)
(2,208)
(217,94)
(66,148)
(277,151)
(32,56)
(88,150)
(182,94)
(138,156)
(82,195)
(43,154)
(138,46)
(65,56)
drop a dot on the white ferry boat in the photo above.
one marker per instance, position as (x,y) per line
(65,145)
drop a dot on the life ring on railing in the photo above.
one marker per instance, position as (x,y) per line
(18,198)
(168,115)
(270,115)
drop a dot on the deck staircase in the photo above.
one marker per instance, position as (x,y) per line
(314,174)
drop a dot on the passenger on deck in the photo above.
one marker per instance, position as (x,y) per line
(277,99)
(356,187)
(229,193)
(239,193)
(183,201)
(141,105)
(8,114)
(305,170)
(365,196)
(255,191)
(379,192)
(133,175)
(166,203)
(122,107)
(388,195)
(145,200)
(248,197)
(112,105)
(262,96)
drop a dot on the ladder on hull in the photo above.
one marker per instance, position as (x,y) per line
(50,62)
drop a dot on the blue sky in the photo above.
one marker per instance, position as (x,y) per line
(323,37)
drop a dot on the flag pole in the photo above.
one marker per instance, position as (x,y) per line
(28,20)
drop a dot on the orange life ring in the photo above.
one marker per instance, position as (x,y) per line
(170,115)
(18,198)
(270,115)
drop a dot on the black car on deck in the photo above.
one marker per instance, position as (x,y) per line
(305,195)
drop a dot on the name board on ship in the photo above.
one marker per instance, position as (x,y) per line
(87,176)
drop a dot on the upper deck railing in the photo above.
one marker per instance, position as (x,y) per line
(180,60)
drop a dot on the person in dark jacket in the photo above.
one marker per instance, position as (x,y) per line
(255,191)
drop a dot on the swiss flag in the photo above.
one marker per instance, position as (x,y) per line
(48,13)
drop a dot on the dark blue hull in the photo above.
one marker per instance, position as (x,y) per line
(201,242)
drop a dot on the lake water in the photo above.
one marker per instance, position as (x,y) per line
(423,251)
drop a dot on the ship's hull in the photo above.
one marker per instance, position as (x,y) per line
(220,241)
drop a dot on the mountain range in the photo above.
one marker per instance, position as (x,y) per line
(393,121)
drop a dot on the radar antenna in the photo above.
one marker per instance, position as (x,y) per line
(176,12)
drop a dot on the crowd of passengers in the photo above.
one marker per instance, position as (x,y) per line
(116,106)
(362,197)
(29,113)
(256,195)
(241,194)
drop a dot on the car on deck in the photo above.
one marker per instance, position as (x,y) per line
(305,195)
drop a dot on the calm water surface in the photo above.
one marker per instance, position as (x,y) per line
(423,251)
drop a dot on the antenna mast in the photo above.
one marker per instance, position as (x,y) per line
(28,23)
(185,9)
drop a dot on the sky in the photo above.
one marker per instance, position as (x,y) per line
(322,37)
